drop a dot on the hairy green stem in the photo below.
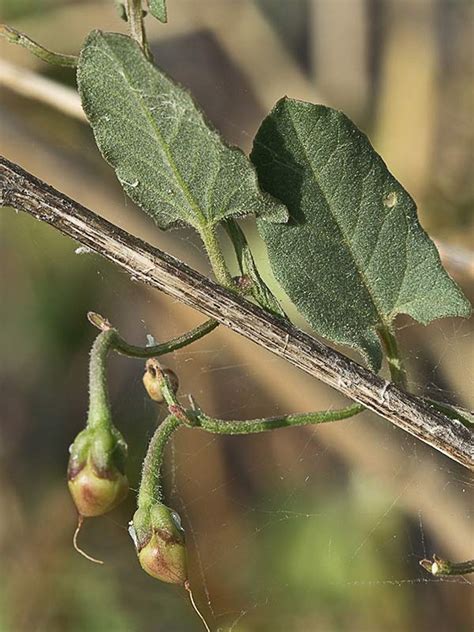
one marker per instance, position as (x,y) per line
(109,339)
(99,406)
(216,258)
(133,351)
(197,419)
(58,59)
(394,359)
(439,567)
(151,488)
(252,426)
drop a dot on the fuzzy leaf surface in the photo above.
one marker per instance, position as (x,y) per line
(158,9)
(167,157)
(353,254)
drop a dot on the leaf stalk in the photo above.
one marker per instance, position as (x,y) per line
(16,37)
(393,356)
(216,258)
(136,25)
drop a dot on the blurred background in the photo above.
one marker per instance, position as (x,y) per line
(306,529)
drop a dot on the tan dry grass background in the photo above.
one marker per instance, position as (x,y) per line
(304,529)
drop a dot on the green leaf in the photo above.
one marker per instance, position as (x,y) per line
(353,254)
(169,160)
(258,288)
(158,9)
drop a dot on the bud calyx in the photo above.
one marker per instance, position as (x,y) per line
(159,540)
(96,476)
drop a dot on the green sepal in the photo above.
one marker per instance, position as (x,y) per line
(96,477)
(108,449)
(79,452)
(140,527)
(159,540)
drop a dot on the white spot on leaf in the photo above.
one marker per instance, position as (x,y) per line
(390,199)
(82,250)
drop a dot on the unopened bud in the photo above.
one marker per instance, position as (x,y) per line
(159,541)
(96,476)
(152,380)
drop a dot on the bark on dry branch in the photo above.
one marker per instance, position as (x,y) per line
(148,264)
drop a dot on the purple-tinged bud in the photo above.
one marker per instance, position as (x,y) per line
(159,541)
(96,476)
(152,380)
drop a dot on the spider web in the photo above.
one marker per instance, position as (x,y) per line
(313,528)
(300,529)
(274,520)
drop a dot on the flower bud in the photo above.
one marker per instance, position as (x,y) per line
(96,476)
(159,540)
(152,380)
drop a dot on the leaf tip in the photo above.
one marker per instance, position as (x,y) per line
(158,10)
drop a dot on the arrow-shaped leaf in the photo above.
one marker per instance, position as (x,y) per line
(353,254)
(168,158)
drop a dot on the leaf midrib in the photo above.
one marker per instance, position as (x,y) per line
(201,217)
(345,240)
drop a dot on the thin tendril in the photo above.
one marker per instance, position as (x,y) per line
(80,522)
(187,586)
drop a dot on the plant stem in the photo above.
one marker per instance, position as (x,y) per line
(21,190)
(58,59)
(219,267)
(99,412)
(151,489)
(136,26)
(394,359)
(260,292)
(252,426)
(197,419)
(99,406)
(109,339)
(132,351)
(439,567)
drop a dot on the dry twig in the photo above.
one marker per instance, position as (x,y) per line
(24,192)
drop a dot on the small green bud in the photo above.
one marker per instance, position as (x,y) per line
(96,476)
(159,541)
(152,380)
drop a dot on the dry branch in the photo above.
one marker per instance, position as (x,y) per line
(24,192)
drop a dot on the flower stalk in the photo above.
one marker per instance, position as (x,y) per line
(394,359)
(57,59)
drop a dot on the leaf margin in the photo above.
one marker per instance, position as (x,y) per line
(368,345)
